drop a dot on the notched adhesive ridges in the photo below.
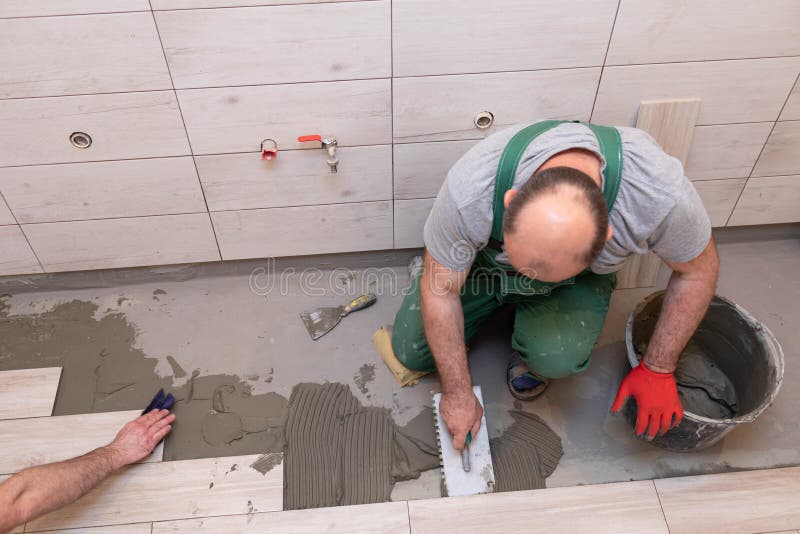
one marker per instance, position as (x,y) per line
(338,452)
(526,454)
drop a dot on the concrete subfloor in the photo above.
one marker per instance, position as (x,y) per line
(219,323)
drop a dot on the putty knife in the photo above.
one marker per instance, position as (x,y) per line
(470,471)
(322,320)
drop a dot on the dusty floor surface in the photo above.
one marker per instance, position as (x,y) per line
(222,325)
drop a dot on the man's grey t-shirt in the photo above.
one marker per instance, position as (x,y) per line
(657,208)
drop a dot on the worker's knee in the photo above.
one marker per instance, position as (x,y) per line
(555,354)
(408,336)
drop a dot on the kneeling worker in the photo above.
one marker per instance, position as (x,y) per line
(542,215)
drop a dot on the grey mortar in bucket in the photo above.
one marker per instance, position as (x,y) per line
(739,345)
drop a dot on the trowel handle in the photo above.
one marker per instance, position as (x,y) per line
(364,301)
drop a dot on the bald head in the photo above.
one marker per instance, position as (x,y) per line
(555,225)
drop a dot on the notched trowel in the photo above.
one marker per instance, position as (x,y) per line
(322,320)
(470,471)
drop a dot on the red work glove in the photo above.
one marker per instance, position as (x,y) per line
(657,402)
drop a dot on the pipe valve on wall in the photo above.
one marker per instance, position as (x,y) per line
(328,143)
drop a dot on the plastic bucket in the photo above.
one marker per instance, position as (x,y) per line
(742,347)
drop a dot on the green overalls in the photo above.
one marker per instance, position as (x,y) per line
(557,324)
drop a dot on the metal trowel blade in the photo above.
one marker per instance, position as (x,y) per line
(321,321)
(456,480)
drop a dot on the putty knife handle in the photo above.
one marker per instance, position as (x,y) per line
(364,301)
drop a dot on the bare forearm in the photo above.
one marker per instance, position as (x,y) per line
(443,319)
(685,303)
(38,490)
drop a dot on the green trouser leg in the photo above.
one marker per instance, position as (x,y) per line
(555,334)
(478,300)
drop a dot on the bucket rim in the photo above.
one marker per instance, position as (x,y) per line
(775,350)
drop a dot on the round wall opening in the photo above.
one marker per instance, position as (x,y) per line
(484,120)
(80,139)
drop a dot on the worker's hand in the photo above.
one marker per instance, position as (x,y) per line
(657,403)
(138,438)
(461,413)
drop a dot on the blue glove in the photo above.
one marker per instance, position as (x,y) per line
(160,402)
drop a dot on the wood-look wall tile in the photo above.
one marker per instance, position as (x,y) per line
(237,119)
(43,440)
(719,197)
(752,90)
(168,491)
(442,108)
(386,518)
(100,190)
(55,56)
(115,243)
(28,392)
(273,232)
(768,200)
(277,44)
(792,109)
(409,221)
(781,154)
(465,36)
(122,126)
(46,8)
(660,31)
(726,151)
(16,256)
(6,217)
(296,178)
(743,502)
(420,168)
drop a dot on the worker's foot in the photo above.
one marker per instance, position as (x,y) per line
(523,383)
(414,266)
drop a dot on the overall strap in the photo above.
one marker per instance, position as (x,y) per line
(610,146)
(507,169)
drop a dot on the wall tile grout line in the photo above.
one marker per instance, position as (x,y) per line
(391,114)
(339,80)
(284,4)
(605,58)
(655,488)
(185,131)
(35,255)
(408,512)
(234,210)
(201,155)
(181,9)
(763,147)
(122,12)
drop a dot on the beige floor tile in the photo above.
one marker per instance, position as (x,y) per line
(28,392)
(386,518)
(746,502)
(40,440)
(173,490)
(624,507)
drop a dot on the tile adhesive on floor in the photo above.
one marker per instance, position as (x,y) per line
(337,451)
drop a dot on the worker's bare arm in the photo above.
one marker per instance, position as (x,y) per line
(443,319)
(42,489)
(688,294)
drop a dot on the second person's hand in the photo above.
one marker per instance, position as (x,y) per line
(461,413)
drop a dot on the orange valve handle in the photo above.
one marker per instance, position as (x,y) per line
(305,138)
